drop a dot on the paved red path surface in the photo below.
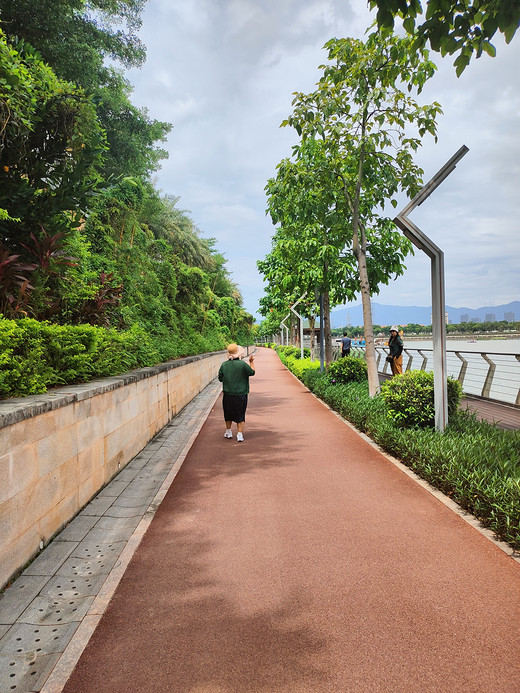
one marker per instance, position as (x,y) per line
(302,560)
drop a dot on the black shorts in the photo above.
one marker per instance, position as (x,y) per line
(234,407)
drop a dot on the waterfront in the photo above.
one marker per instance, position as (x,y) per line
(489,346)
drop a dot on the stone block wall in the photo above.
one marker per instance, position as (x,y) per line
(59,449)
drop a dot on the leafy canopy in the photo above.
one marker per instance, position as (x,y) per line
(455,27)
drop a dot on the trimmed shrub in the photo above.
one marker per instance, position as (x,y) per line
(410,401)
(347,370)
(300,366)
(35,356)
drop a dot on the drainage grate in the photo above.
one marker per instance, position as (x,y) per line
(56,610)
(29,654)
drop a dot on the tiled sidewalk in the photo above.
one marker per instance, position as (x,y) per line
(71,581)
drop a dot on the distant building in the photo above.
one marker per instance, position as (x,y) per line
(446,320)
(509,317)
(490,317)
(476,319)
(464,317)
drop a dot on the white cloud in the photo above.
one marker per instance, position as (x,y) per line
(224,71)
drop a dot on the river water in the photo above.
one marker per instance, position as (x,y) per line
(489,346)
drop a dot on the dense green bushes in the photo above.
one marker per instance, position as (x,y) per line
(347,370)
(35,356)
(86,241)
(474,462)
(410,400)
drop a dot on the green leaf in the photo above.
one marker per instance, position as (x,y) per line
(489,48)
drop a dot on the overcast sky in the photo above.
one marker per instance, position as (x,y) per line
(223,73)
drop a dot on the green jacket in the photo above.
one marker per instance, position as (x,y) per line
(234,375)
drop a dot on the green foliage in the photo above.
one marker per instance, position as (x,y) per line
(300,366)
(80,41)
(50,150)
(85,239)
(37,355)
(410,400)
(293,352)
(347,369)
(359,132)
(474,462)
(453,27)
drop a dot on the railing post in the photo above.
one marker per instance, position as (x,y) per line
(463,369)
(489,377)
(425,360)
(518,395)
(410,359)
(379,359)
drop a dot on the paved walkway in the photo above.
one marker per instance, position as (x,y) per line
(49,611)
(302,560)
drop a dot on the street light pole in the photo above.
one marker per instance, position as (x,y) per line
(419,239)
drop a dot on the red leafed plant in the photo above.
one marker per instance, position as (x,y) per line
(48,252)
(95,310)
(14,283)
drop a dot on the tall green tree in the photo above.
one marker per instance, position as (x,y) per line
(363,112)
(307,255)
(51,145)
(461,27)
(83,41)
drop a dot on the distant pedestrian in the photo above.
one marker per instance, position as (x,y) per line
(234,375)
(346,343)
(395,344)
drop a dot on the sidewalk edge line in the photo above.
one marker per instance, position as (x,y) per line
(439,495)
(79,641)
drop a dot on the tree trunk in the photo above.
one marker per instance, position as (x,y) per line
(326,329)
(370,352)
(359,247)
(312,326)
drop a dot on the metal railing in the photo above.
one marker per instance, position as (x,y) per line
(484,374)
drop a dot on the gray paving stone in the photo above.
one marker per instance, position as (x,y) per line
(56,610)
(74,586)
(118,511)
(114,524)
(81,567)
(105,535)
(48,562)
(95,550)
(124,502)
(113,489)
(98,506)
(19,595)
(26,674)
(78,528)
(37,640)
(127,474)
(3,630)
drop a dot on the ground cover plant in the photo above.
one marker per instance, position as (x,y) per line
(473,462)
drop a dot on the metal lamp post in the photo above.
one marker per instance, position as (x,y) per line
(419,239)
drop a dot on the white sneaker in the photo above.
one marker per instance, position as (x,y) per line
(240,438)
(228,433)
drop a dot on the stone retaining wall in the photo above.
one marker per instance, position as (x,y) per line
(59,449)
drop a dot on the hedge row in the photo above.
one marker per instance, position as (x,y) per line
(36,356)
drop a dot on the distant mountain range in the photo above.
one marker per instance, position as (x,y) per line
(404,315)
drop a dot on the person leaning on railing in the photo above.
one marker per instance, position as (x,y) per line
(395,344)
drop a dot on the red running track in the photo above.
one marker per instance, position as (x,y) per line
(303,561)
